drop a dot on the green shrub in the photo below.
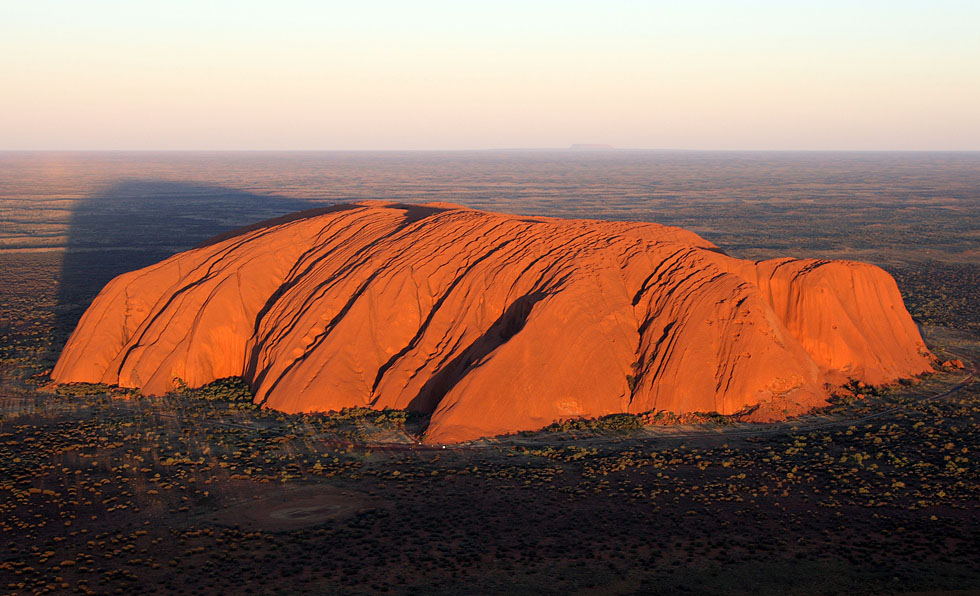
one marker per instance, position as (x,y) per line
(665,418)
(632,382)
(80,389)
(388,417)
(612,422)
(230,389)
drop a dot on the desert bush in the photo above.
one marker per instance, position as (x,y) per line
(665,418)
(603,424)
(387,417)
(229,389)
(80,389)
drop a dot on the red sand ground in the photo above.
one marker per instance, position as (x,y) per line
(494,323)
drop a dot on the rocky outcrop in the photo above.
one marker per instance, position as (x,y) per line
(493,323)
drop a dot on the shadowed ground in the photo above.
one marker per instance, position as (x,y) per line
(135,223)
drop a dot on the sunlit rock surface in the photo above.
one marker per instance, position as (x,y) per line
(494,323)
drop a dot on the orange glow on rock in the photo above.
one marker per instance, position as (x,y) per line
(494,323)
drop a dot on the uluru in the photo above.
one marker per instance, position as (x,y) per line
(493,323)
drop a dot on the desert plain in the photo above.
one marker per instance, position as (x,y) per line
(106,490)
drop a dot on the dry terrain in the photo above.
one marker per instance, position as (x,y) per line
(106,491)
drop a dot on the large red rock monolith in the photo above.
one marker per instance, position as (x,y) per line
(494,323)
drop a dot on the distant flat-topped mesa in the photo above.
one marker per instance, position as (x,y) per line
(494,323)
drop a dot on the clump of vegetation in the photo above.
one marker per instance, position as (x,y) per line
(713,418)
(84,389)
(854,391)
(664,418)
(612,422)
(859,388)
(632,381)
(570,453)
(230,389)
(388,417)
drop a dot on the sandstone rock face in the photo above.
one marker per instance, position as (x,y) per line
(493,323)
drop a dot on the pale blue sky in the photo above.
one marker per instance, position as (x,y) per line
(456,75)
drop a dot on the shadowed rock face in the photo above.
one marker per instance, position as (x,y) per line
(493,323)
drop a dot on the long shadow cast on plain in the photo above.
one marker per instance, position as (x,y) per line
(135,223)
